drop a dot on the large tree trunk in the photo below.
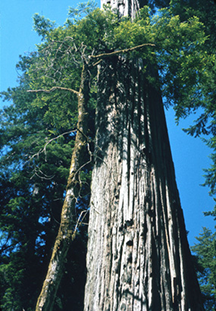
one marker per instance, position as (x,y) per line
(138,256)
(125,7)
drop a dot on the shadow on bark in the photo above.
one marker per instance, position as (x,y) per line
(138,256)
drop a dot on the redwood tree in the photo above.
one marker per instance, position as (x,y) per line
(138,256)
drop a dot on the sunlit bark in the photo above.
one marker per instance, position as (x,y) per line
(125,7)
(138,256)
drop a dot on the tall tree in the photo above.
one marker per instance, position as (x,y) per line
(138,256)
(119,59)
(126,75)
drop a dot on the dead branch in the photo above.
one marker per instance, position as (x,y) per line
(79,223)
(86,163)
(122,51)
(47,143)
(86,137)
(54,88)
(43,175)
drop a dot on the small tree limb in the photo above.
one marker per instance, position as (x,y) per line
(122,51)
(46,144)
(54,88)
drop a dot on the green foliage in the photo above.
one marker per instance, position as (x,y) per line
(210,173)
(32,185)
(205,251)
(42,25)
(83,9)
(212,213)
(37,137)
(205,75)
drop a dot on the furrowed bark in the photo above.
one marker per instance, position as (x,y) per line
(138,257)
(66,232)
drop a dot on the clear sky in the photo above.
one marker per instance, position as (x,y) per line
(190,155)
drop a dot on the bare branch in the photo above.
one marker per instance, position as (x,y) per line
(98,62)
(54,88)
(86,137)
(79,223)
(37,171)
(122,51)
(48,142)
(86,163)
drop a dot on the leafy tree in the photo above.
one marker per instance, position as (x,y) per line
(36,144)
(205,250)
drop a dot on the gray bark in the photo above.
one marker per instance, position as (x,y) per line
(125,7)
(138,256)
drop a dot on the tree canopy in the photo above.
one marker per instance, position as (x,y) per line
(206,266)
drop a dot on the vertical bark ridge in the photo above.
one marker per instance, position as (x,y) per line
(138,257)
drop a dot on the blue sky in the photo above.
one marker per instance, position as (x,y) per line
(190,155)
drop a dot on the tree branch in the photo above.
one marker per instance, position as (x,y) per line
(54,88)
(44,148)
(122,51)
(79,223)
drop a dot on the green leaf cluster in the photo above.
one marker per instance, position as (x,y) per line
(204,75)
(205,251)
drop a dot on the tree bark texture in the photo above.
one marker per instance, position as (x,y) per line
(125,7)
(138,256)
(66,232)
